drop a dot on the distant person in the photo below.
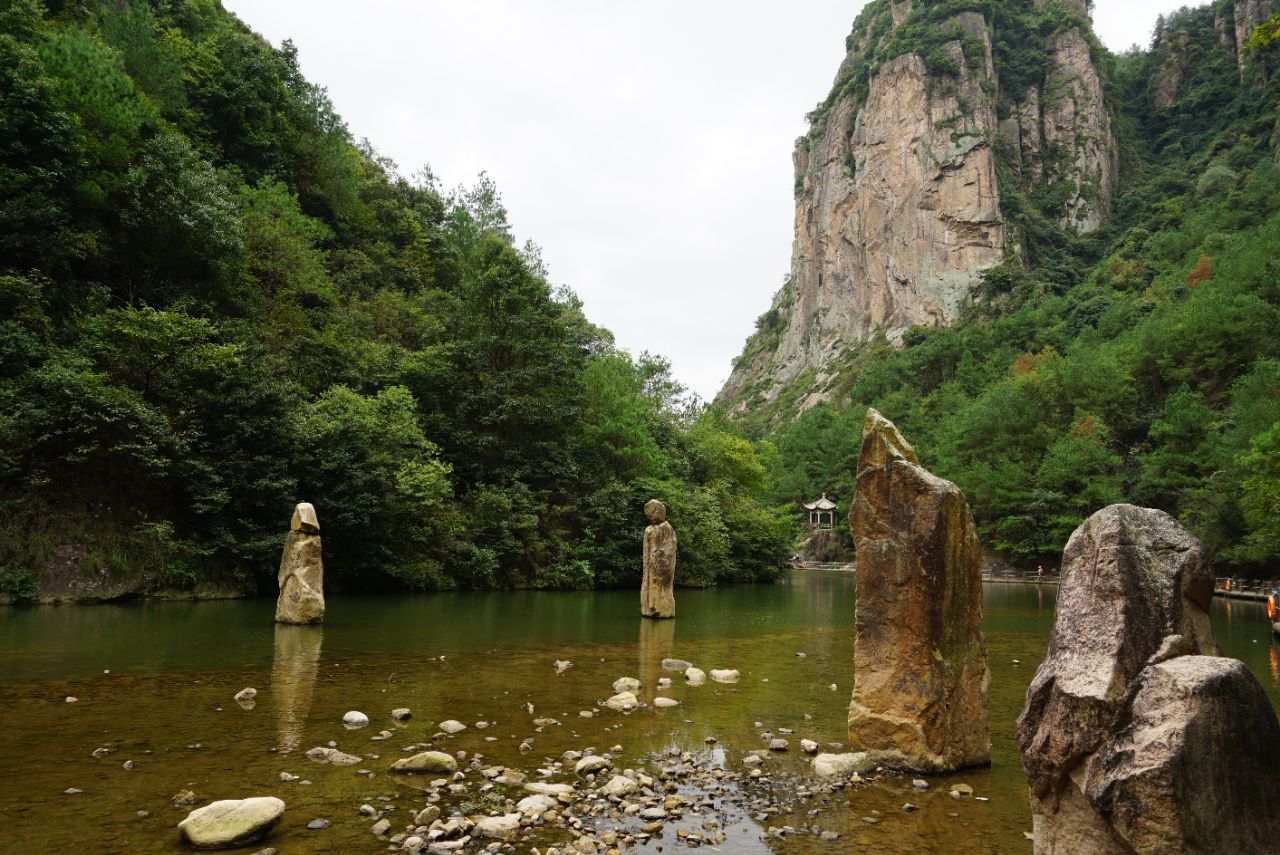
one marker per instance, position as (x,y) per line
(1039,572)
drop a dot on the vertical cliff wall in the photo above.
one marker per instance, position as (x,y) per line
(898,204)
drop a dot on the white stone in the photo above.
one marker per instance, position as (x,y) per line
(626,684)
(619,785)
(500,827)
(623,701)
(536,805)
(834,765)
(231,822)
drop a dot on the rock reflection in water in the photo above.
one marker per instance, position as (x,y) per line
(657,642)
(293,679)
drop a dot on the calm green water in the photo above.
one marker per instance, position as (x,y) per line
(173,668)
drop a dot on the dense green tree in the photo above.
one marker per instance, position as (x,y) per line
(214,304)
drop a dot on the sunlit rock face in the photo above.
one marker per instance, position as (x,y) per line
(1136,735)
(920,675)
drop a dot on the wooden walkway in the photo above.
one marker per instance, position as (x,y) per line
(1243,589)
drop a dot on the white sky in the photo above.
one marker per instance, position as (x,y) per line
(646,147)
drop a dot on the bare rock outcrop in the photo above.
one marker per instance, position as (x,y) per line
(301,575)
(920,660)
(1077,123)
(1248,15)
(657,588)
(1136,735)
(898,204)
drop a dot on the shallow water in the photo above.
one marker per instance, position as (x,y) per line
(174,667)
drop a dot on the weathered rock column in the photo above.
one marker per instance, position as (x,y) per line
(657,594)
(920,661)
(1136,735)
(301,574)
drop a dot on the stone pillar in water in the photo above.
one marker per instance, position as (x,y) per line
(301,574)
(657,588)
(1137,736)
(920,673)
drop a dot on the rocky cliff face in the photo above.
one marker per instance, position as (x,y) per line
(898,205)
(1246,16)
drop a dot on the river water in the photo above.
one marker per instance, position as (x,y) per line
(155,685)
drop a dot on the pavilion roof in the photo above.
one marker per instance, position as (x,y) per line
(823,504)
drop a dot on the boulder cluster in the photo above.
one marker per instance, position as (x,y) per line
(1137,736)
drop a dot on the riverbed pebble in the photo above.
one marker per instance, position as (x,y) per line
(623,702)
(355,718)
(321,754)
(451,726)
(591,764)
(425,762)
(626,684)
(229,823)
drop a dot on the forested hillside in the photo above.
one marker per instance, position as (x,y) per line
(1136,362)
(215,303)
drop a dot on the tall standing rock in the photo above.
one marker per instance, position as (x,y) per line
(657,594)
(301,574)
(920,661)
(1136,735)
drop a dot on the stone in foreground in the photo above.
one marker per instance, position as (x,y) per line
(500,827)
(426,762)
(841,765)
(1136,736)
(230,823)
(657,588)
(301,574)
(920,672)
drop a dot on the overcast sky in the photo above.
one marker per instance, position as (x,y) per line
(646,147)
